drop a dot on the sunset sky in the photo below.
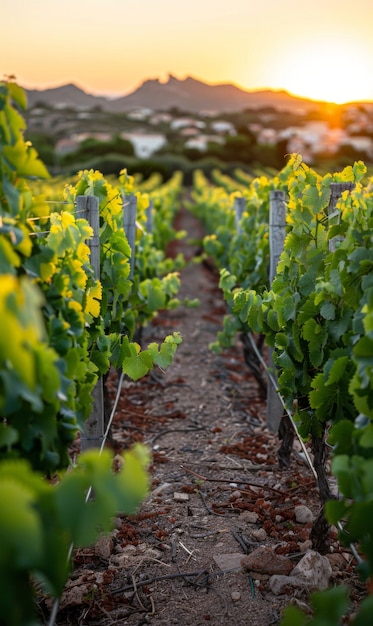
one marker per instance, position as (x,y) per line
(321,49)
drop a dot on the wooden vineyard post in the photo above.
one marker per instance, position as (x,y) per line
(129,225)
(277,221)
(239,207)
(336,191)
(92,437)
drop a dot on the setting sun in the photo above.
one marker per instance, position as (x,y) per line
(326,69)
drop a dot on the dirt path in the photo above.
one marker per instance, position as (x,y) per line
(217,491)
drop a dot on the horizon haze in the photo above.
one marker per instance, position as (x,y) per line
(189,95)
(324,53)
(173,84)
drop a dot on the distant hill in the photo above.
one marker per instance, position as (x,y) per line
(188,94)
(66,95)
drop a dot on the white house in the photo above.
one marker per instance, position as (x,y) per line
(182,122)
(139,114)
(361,144)
(200,142)
(267,135)
(145,144)
(99,136)
(318,136)
(223,127)
(160,118)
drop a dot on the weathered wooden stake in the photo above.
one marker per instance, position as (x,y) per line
(333,214)
(129,225)
(277,222)
(239,207)
(87,207)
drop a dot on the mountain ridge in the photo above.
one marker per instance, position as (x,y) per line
(188,94)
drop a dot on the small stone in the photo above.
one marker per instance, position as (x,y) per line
(259,534)
(118,463)
(347,556)
(165,547)
(141,548)
(181,497)
(248,517)
(161,489)
(228,562)
(337,561)
(76,590)
(266,561)
(333,532)
(235,595)
(302,605)
(104,546)
(257,577)
(314,569)
(280,584)
(152,553)
(262,457)
(313,573)
(303,514)
(256,490)
(129,550)
(118,523)
(120,560)
(305,545)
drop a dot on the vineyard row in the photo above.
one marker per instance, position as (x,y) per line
(74,297)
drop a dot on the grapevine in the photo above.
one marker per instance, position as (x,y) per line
(62,328)
(316,316)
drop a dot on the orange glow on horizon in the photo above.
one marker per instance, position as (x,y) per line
(325,69)
(320,54)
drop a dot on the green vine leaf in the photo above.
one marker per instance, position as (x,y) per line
(137,363)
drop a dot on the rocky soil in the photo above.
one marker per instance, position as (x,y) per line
(223,536)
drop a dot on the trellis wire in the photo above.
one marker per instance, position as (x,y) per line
(352,547)
(41,232)
(274,383)
(277,232)
(58,202)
